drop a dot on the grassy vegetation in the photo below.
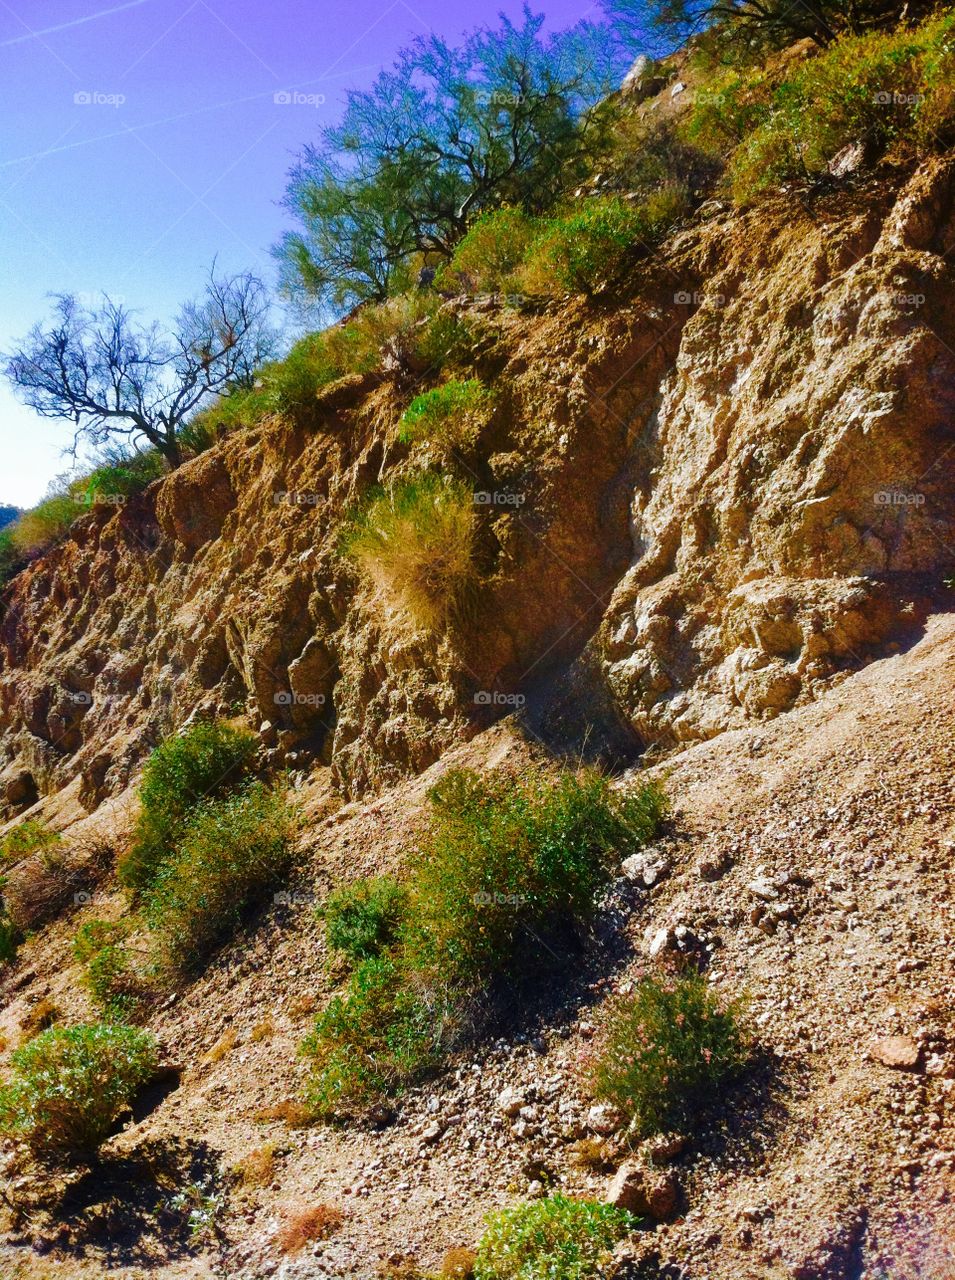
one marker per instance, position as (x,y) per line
(414,542)
(9,933)
(450,416)
(208,758)
(554,1237)
(225,857)
(503,859)
(108,977)
(665,1049)
(491,252)
(890,91)
(362,920)
(31,836)
(71,1084)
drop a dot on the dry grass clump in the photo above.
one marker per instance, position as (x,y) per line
(43,1014)
(56,876)
(225,1044)
(257,1169)
(307,1225)
(263,1030)
(458,1264)
(293,1113)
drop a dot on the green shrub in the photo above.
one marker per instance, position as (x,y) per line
(46,524)
(121,474)
(503,854)
(9,934)
(11,557)
(588,250)
(362,919)
(451,415)
(226,856)
(665,1049)
(552,1239)
(380,1035)
(447,340)
(31,836)
(492,250)
(206,758)
(71,1084)
(889,91)
(108,976)
(414,542)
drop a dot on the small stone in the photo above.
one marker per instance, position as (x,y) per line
(510,1101)
(663,940)
(764,889)
(604,1119)
(677,89)
(899,1052)
(713,867)
(665,1147)
(433,1133)
(644,1190)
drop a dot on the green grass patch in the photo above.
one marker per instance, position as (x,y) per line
(488,256)
(451,416)
(665,1049)
(549,1239)
(362,920)
(70,1085)
(206,759)
(414,543)
(31,836)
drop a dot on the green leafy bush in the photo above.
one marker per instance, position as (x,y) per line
(503,854)
(447,340)
(121,474)
(226,856)
(362,919)
(414,542)
(381,1034)
(11,557)
(552,1239)
(108,976)
(451,415)
(492,250)
(71,1084)
(588,250)
(203,760)
(888,91)
(46,524)
(665,1049)
(9,933)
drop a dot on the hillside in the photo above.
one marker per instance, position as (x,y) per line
(712,532)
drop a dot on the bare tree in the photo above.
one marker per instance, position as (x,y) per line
(115,377)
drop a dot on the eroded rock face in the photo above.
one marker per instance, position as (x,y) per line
(717,499)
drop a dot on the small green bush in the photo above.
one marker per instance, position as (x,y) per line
(451,415)
(503,854)
(120,475)
(380,1035)
(228,854)
(11,557)
(9,934)
(362,919)
(46,524)
(588,250)
(552,1239)
(492,250)
(447,340)
(108,976)
(31,836)
(203,760)
(665,1049)
(414,542)
(71,1084)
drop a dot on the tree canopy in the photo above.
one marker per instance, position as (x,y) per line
(508,117)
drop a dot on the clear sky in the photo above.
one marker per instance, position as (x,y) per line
(141,138)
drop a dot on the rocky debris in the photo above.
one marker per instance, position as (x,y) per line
(899,1052)
(646,868)
(604,1119)
(644,1190)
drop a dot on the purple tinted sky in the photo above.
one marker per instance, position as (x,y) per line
(142,137)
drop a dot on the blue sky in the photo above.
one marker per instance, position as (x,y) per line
(142,138)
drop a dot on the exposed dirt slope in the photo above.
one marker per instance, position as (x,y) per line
(822,1163)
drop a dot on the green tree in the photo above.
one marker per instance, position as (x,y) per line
(509,117)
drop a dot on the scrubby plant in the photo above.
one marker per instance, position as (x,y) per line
(71,1084)
(448,340)
(887,92)
(229,853)
(10,935)
(450,416)
(492,250)
(120,474)
(108,974)
(31,836)
(44,525)
(414,542)
(205,759)
(504,854)
(550,1238)
(664,1050)
(588,250)
(379,1035)
(317,1222)
(361,920)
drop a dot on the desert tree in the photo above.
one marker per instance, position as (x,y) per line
(117,378)
(507,117)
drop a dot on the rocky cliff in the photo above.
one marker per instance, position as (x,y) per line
(700,507)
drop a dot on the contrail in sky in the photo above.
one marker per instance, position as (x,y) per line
(77,22)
